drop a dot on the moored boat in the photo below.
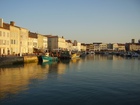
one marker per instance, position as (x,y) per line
(69,55)
(65,55)
(47,58)
(75,55)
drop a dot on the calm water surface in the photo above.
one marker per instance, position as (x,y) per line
(93,80)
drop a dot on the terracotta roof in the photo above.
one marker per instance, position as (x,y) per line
(50,36)
(69,41)
(121,44)
(33,35)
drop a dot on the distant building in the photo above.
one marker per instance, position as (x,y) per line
(32,42)
(133,41)
(75,43)
(103,47)
(118,47)
(89,47)
(139,41)
(133,46)
(110,46)
(121,47)
(69,45)
(96,46)
(76,46)
(24,34)
(83,47)
(42,42)
(56,43)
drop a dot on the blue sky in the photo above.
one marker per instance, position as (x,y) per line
(86,21)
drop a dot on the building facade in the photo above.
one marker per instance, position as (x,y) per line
(4,39)
(56,43)
(103,47)
(69,45)
(83,47)
(133,46)
(24,34)
(32,42)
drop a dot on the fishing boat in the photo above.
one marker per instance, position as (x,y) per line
(69,55)
(47,58)
(65,55)
(75,55)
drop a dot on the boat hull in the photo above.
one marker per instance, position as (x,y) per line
(47,58)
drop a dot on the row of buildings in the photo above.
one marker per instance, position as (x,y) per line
(114,46)
(18,40)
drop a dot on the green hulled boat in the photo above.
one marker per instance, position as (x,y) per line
(47,58)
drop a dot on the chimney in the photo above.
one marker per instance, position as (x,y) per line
(1,22)
(133,41)
(12,23)
(139,41)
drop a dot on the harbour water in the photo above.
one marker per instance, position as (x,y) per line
(92,80)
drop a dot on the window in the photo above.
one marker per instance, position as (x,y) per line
(7,42)
(11,41)
(14,42)
(4,42)
(0,42)
(7,34)
(0,33)
(3,34)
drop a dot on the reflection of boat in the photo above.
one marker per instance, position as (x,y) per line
(83,54)
(75,60)
(47,58)
(69,55)
(49,63)
(75,55)
(135,55)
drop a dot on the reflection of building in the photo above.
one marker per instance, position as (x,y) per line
(14,80)
(61,68)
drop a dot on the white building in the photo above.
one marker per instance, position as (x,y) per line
(103,46)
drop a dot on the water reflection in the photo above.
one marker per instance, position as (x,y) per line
(15,79)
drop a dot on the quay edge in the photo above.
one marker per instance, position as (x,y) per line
(11,60)
(5,61)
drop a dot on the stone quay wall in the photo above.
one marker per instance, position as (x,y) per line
(11,60)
